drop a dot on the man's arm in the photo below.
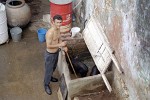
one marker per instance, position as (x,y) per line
(49,39)
(64,48)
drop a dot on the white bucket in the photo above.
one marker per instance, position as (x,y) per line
(3,25)
(74,31)
(16,34)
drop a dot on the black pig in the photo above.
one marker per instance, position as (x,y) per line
(79,67)
(94,71)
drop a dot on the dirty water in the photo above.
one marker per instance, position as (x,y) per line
(102,95)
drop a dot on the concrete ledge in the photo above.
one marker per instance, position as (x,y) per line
(80,85)
(87,84)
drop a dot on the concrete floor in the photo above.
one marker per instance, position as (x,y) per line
(22,70)
(22,63)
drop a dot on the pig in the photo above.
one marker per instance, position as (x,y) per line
(80,68)
(94,71)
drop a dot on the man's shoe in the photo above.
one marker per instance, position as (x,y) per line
(48,90)
(54,79)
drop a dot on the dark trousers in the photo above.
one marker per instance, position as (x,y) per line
(51,60)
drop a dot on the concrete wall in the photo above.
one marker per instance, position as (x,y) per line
(126,24)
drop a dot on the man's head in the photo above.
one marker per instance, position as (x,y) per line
(57,21)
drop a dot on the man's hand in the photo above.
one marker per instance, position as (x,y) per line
(63,44)
(65,49)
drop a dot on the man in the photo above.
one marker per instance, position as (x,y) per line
(53,45)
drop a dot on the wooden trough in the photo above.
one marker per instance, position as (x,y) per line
(102,55)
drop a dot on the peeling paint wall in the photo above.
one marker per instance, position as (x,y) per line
(126,24)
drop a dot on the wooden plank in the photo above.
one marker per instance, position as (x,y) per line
(94,34)
(105,55)
(101,34)
(105,41)
(100,28)
(89,41)
(102,49)
(94,39)
(105,68)
(116,63)
(108,47)
(106,82)
(103,65)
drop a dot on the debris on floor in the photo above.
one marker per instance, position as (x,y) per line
(103,95)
